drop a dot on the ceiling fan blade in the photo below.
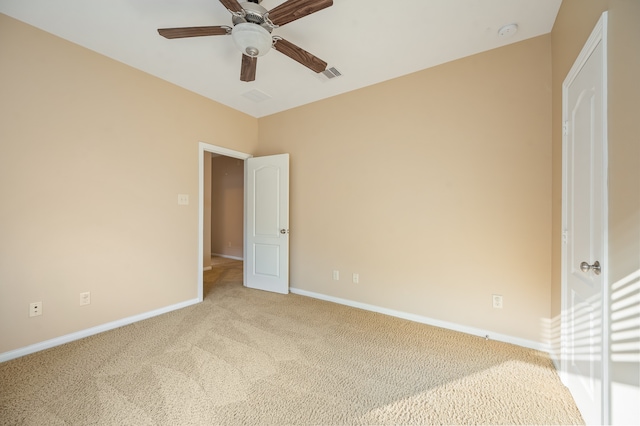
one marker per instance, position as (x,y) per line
(300,55)
(248,69)
(194,31)
(232,5)
(295,9)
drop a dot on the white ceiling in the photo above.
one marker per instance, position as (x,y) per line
(368,41)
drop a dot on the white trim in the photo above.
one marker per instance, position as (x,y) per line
(597,36)
(226,256)
(36,347)
(202,147)
(606,348)
(426,320)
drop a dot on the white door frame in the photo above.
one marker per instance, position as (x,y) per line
(598,35)
(202,148)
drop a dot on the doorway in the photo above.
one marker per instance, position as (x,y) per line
(265,219)
(227,207)
(227,244)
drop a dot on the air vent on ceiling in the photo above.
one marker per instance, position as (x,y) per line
(256,95)
(331,73)
(328,74)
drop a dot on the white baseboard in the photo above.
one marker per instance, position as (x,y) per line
(36,347)
(426,320)
(6,356)
(227,256)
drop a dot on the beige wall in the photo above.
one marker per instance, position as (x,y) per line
(435,188)
(624,201)
(574,23)
(227,206)
(624,138)
(93,156)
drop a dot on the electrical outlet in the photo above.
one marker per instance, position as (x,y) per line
(356,278)
(85,298)
(35,309)
(336,275)
(497,301)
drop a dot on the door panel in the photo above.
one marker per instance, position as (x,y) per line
(266,180)
(267,230)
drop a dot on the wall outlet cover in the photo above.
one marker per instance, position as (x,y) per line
(35,309)
(85,298)
(497,301)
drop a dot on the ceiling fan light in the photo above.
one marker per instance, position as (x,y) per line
(252,39)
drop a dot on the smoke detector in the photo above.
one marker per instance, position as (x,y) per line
(508,30)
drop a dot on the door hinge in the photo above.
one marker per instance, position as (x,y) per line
(565,128)
(565,237)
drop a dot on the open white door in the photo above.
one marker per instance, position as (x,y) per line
(266,265)
(584,293)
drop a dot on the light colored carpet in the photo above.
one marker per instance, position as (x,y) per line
(246,357)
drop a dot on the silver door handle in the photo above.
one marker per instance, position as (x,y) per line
(585,267)
(284,231)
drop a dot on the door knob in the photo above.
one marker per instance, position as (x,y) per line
(585,267)
(284,231)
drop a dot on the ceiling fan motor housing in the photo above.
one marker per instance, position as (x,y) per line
(254,13)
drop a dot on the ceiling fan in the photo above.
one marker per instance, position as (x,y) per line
(251,32)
